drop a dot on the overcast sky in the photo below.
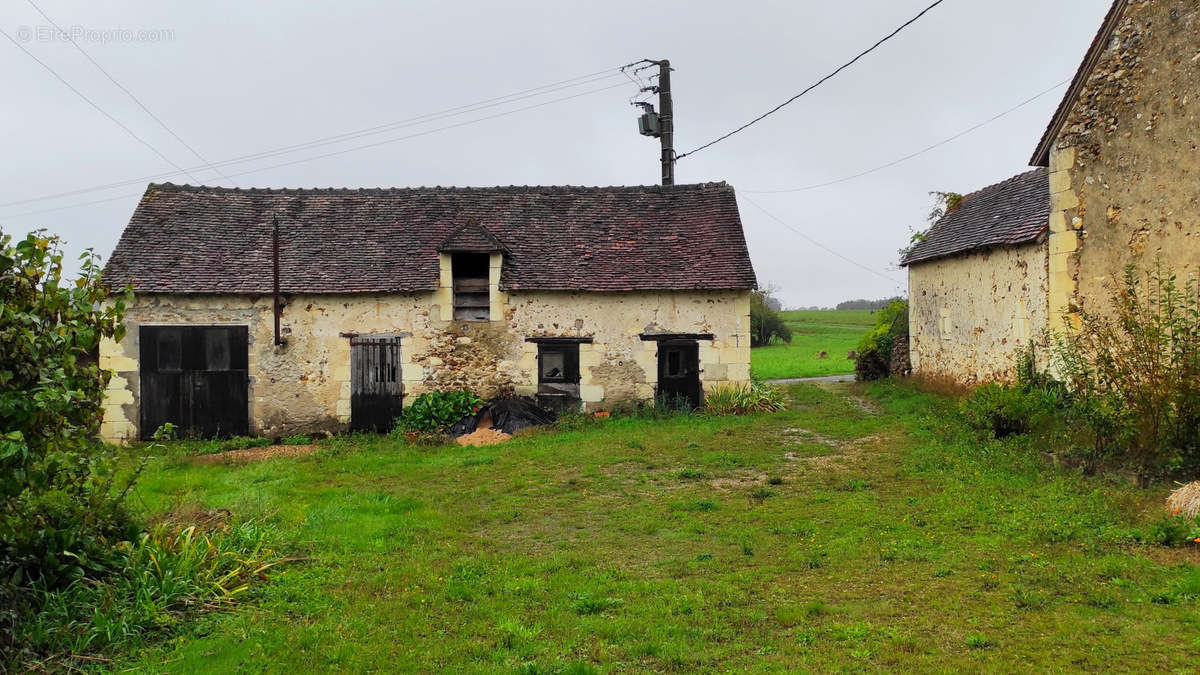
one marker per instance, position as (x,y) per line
(238,78)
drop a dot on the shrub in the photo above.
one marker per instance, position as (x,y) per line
(743,399)
(766,324)
(1134,372)
(434,411)
(875,348)
(61,511)
(1005,410)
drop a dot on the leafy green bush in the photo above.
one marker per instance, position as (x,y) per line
(874,353)
(166,432)
(766,324)
(1134,373)
(743,399)
(434,411)
(158,579)
(1005,410)
(61,510)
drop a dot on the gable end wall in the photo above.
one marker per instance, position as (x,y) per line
(1126,166)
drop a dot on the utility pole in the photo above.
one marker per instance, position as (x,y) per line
(275,276)
(662,123)
(667,121)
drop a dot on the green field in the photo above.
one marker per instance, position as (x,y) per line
(834,332)
(864,528)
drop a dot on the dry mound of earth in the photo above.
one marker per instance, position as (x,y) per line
(483,436)
(255,454)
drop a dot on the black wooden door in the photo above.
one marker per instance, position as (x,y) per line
(195,377)
(376,386)
(679,371)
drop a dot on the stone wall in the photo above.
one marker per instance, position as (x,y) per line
(1126,168)
(971,315)
(305,384)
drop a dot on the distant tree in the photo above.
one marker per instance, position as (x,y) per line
(765,322)
(873,305)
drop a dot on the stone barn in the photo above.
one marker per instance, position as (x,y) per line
(280,311)
(1117,187)
(1123,154)
(977,283)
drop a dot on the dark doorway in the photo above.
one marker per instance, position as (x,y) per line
(195,377)
(679,371)
(558,376)
(376,386)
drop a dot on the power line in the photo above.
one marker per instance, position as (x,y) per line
(89,101)
(344,150)
(816,243)
(359,133)
(823,80)
(128,93)
(916,154)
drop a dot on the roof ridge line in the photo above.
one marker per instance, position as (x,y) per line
(1006,181)
(515,189)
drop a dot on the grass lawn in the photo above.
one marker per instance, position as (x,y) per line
(864,528)
(834,332)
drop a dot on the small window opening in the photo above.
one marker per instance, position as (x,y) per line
(674,364)
(472,301)
(553,366)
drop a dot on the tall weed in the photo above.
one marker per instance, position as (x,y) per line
(743,399)
(1135,375)
(165,575)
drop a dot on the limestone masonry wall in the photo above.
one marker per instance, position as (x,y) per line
(971,315)
(305,384)
(1125,181)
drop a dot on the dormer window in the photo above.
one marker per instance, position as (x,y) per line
(475,256)
(472,301)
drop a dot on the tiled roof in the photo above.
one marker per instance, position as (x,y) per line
(184,239)
(1014,212)
(472,237)
(1041,155)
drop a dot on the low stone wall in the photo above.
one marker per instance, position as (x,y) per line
(305,385)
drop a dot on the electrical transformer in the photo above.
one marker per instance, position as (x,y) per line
(648,124)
